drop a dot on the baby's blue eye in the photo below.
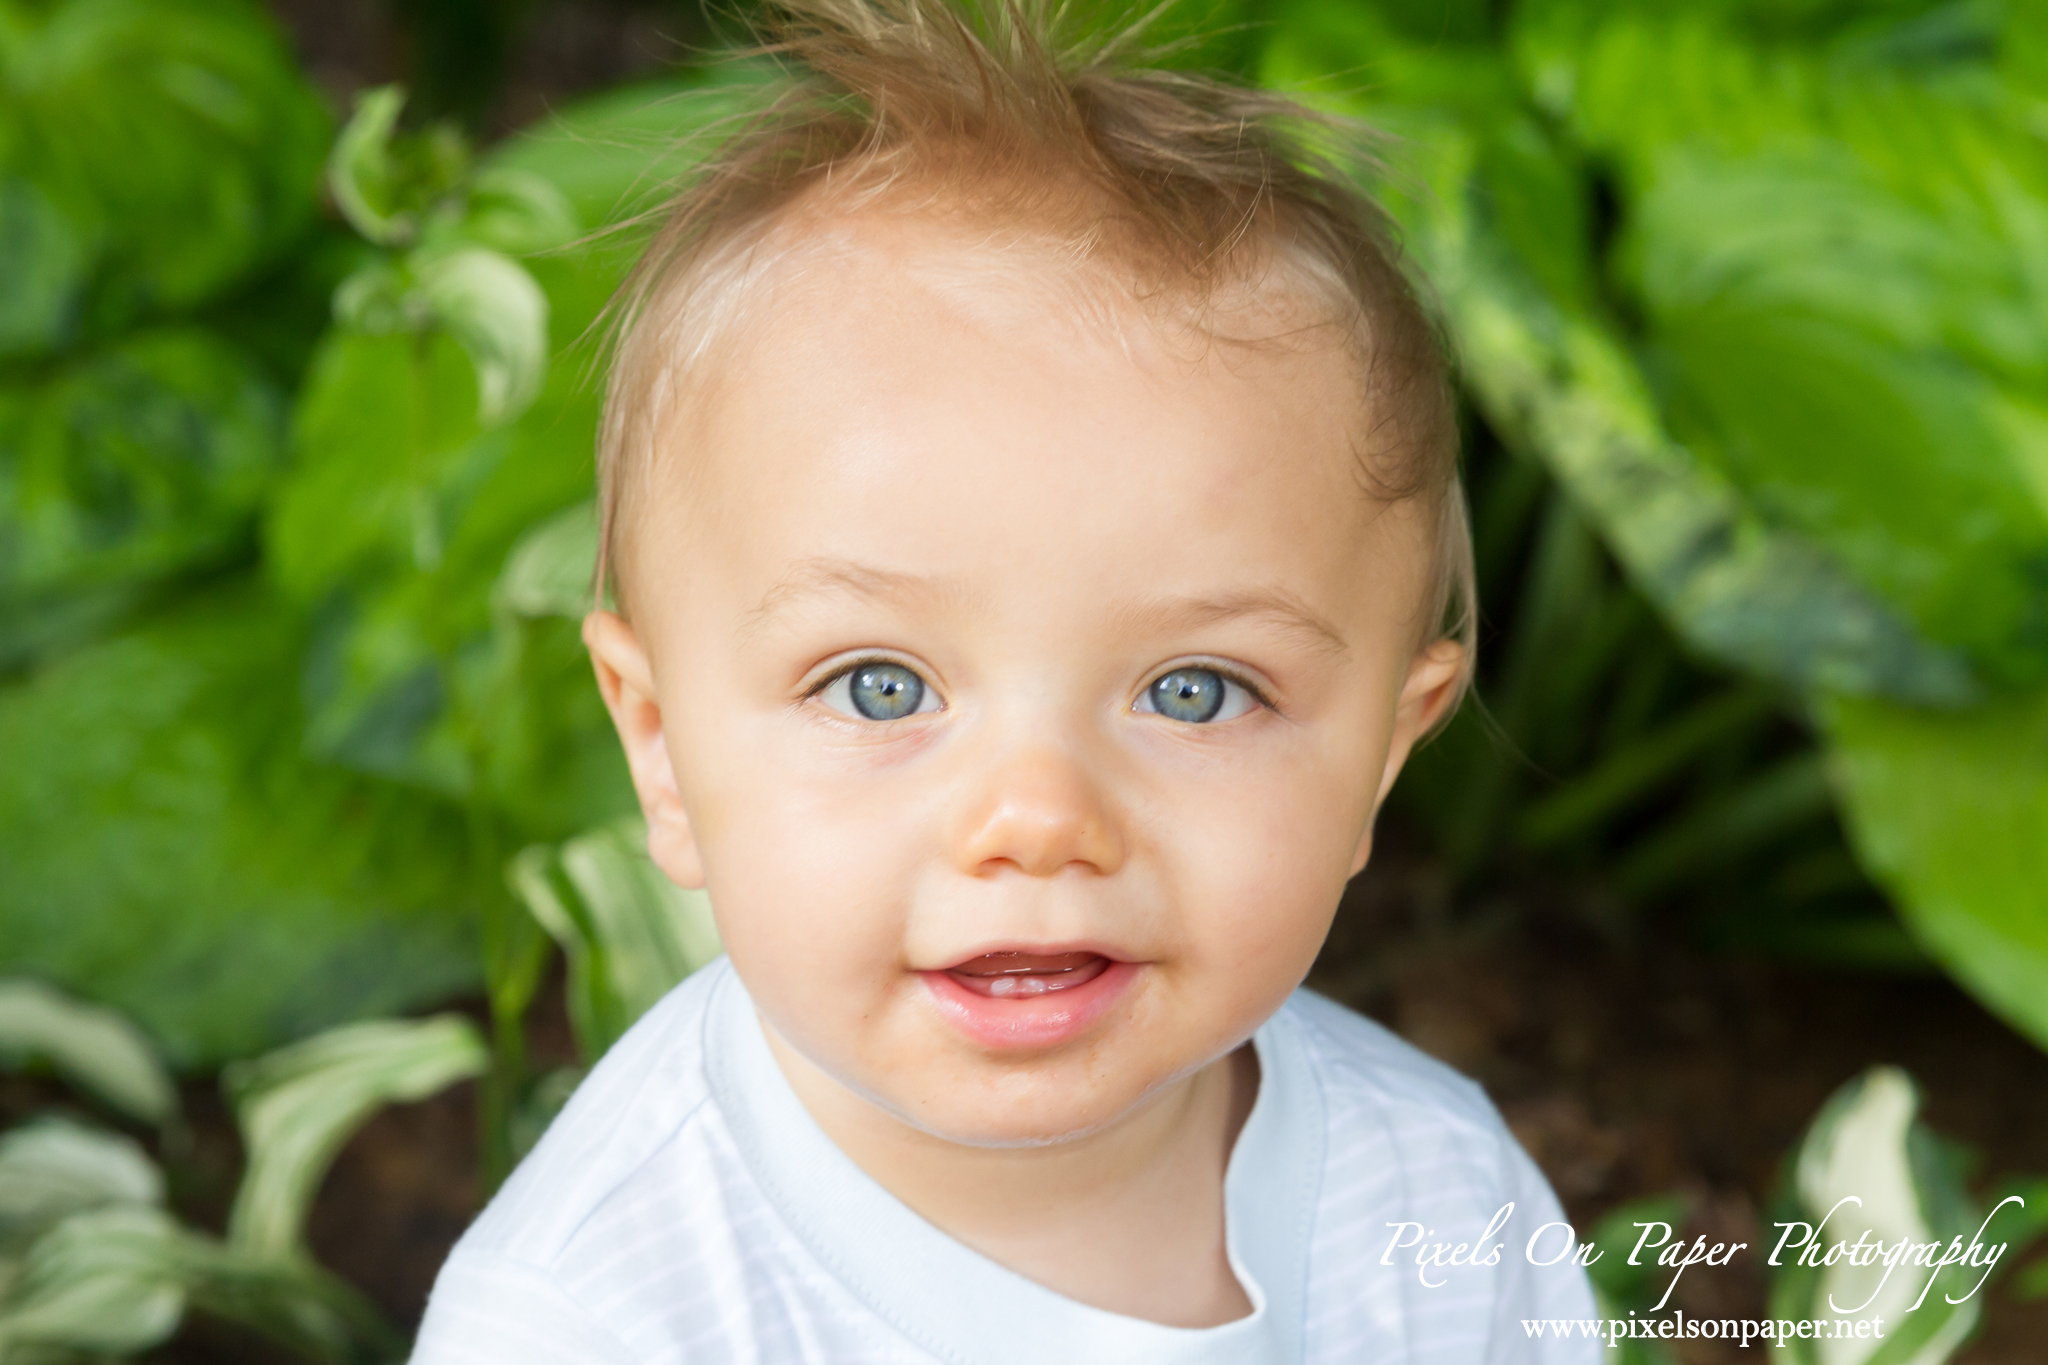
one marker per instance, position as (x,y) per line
(878,690)
(1197,696)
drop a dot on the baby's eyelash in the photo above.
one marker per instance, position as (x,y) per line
(852,666)
(1223,671)
(1229,675)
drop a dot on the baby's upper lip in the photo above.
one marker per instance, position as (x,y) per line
(1033,957)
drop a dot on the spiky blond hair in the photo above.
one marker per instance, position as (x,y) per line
(1172,183)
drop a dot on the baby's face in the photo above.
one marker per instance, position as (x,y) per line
(1021,680)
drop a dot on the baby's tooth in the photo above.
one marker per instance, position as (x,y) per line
(1002,985)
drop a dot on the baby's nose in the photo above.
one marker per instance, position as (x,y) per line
(1040,813)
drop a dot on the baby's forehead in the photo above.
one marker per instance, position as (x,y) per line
(1042,274)
(888,322)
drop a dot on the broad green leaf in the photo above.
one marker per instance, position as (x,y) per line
(297,1106)
(1843,262)
(104,1281)
(630,933)
(550,570)
(405,679)
(170,850)
(1838,389)
(91,1046)
(1735,587)
(498,314)
(1867,1167)
(386,429)
(177,141)
(123,468)
(53,1168)
(1949,811)
(1555,380)
(400,529)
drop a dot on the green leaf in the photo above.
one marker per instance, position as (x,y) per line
(170,850)
(297,1106)
(118,1280)
(499,315)
(359,169)
(1950,813)
(1839,250)
(53,1168)
(176,140)
(93,1047)
(1867,1167)
(385,183)
(120,470)
(550,570)
(385,425)
(397,522)
(105,1281)
(1839,392)
(630,933)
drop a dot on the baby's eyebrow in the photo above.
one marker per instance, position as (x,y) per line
(826,576)
(1273,605)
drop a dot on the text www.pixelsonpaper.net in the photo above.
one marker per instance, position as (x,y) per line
(1742,1331)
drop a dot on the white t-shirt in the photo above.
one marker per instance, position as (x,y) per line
(685,1207)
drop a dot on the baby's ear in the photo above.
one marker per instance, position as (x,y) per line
(626,681)
(1429,690)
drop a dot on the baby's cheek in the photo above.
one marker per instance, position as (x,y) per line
(1258,905)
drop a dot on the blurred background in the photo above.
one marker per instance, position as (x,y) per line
(319,886)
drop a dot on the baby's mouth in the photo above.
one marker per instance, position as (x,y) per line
(1016,974)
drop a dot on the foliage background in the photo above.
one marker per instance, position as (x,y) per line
(1748,300)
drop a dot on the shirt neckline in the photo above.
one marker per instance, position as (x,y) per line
(944,1295)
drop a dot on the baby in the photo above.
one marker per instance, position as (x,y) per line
(1029,495)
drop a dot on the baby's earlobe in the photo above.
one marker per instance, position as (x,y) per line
(673,846)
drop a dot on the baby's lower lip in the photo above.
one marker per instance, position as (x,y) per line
(1010,1002)
(1001,975)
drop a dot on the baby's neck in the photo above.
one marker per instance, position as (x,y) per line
(1127,1219)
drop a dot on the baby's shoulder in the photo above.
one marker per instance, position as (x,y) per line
(1383,1095)
(634,1110)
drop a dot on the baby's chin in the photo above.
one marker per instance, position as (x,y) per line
(1036,1102)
